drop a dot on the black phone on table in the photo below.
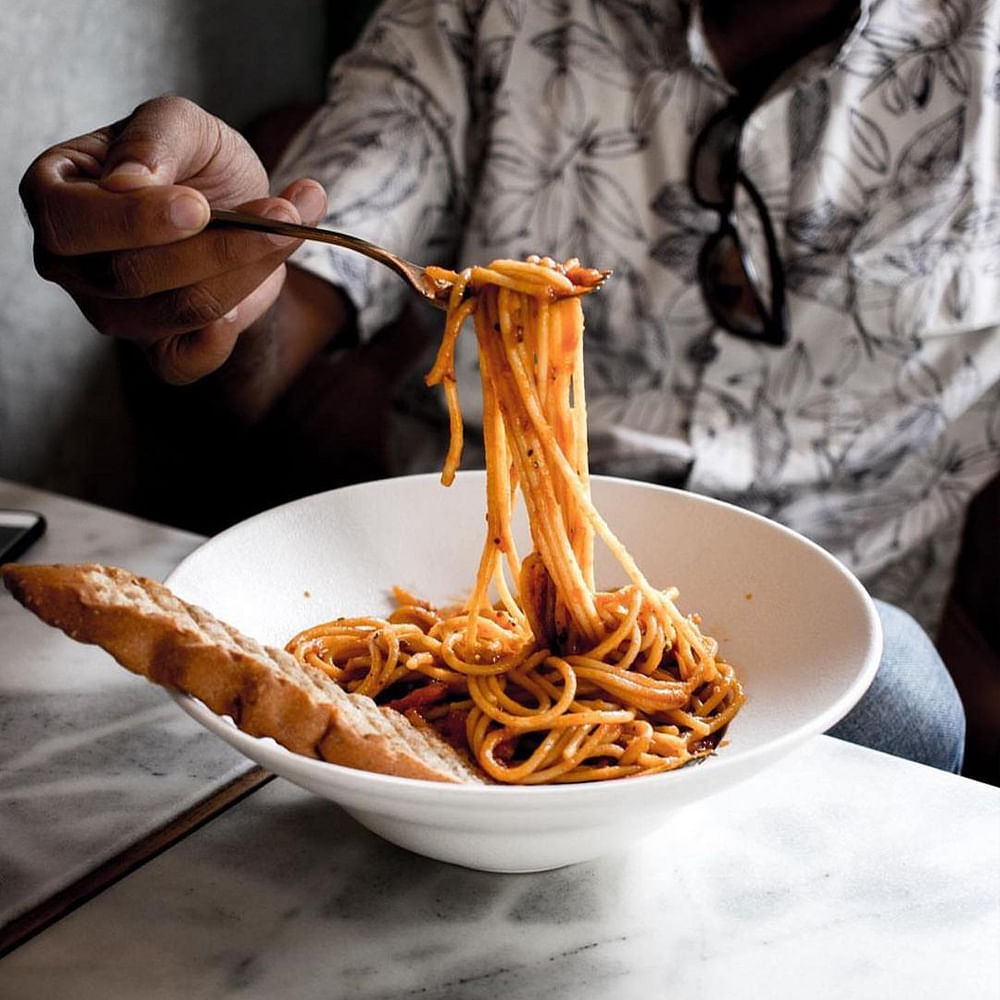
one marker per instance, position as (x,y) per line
(18,529)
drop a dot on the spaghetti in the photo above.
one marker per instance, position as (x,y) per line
(539,676)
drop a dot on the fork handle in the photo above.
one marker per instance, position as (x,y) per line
(245,220)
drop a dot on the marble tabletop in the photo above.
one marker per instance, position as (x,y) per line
(92,759)
(839,872)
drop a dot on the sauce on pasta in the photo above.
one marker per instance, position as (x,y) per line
(539,676)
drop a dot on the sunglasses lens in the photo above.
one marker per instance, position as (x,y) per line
(730,289)
(715,163)
(729,283)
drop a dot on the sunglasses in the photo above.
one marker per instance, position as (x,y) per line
(729,283)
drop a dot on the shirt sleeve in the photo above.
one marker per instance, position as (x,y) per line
(390,145)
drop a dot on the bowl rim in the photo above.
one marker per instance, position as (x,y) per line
(422,789)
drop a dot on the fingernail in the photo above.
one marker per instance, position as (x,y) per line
(188,212)
(311,203)
(128,176)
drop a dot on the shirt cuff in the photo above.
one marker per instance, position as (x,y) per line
(374,291)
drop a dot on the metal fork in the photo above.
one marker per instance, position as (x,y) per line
(433,290)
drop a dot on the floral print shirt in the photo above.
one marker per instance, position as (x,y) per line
(460,131)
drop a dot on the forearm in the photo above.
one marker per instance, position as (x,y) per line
(308,315)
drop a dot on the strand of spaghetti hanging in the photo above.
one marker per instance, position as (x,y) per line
(555,681)
(509,278)
(560,469)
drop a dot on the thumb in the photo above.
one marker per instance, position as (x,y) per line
(168,140)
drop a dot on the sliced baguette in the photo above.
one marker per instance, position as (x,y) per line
(266,691)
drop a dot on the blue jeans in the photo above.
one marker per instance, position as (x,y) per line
(912,709)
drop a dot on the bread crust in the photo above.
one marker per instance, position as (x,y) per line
(266,691)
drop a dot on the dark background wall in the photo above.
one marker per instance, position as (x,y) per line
(70,66)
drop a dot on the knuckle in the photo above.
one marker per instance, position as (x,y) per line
(162,358)
(233,249)
(135,217)
(152,132)
(164,106)
(50,228)
(28,189)
(125,276)
(174,363)
(174,103)
(40,191)
(196,306)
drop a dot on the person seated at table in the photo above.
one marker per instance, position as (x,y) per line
(797,199)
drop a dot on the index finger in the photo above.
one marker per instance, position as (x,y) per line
(73,214)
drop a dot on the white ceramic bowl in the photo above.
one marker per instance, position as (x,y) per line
(800,629)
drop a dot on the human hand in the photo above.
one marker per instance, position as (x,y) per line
(119,217)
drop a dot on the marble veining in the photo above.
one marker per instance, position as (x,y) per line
(92,758)
(840,872)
